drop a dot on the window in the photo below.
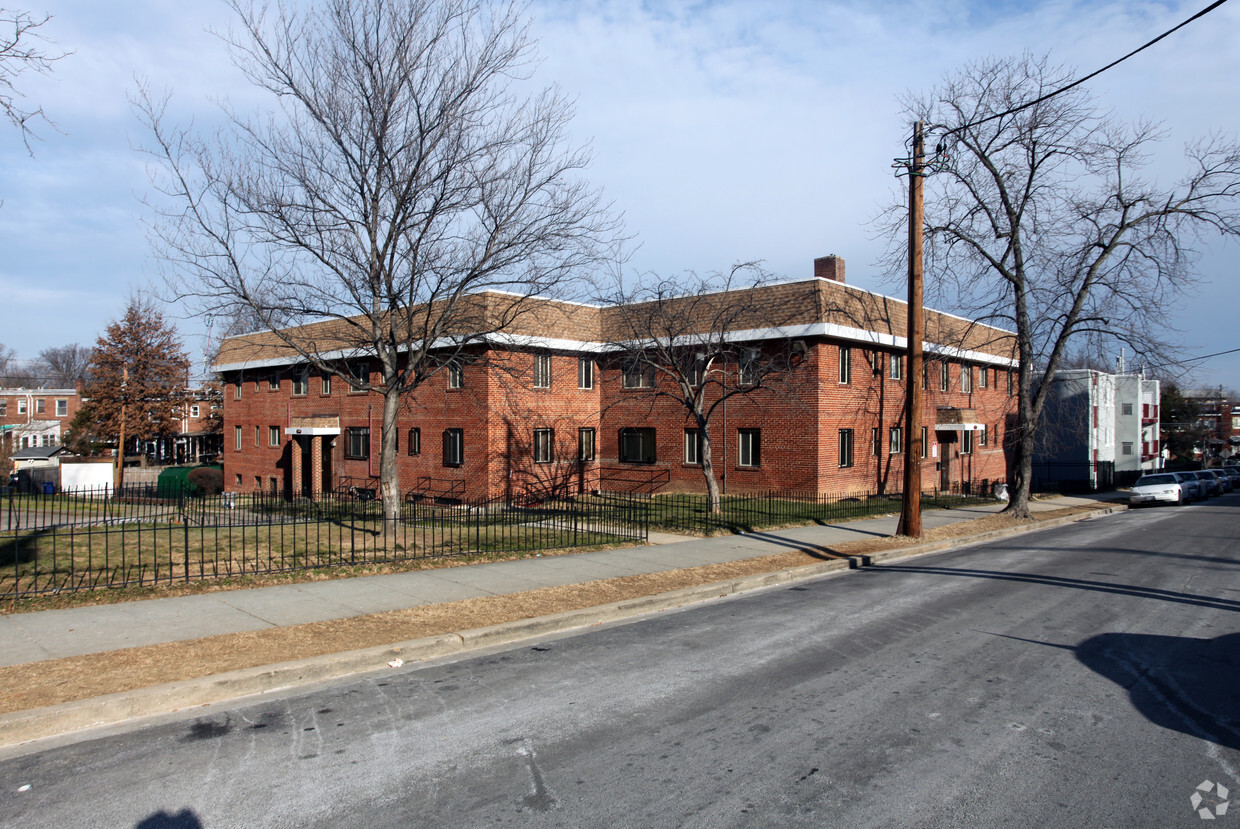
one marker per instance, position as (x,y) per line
(1127,408)
(194,411)
(966,377)
(238,480)
(544,445)
(983,436)
(453,447)
(925,376)
(39,406)
(846,448)
(637,376)
(237,438)
(897,366)
(896,440)
(924,442)
(696,370)
(357,443)
(258,479)
(456,376)
(415,441)
(359,373)
(1127,447)
(944,370)
(62,408)
(693,447)
(749,447)
(325,384)
(966,442)
(21,405)
(4,408)
(637,446)
(273,382)
(542,371)
(237,396)
(845,365)
(301,385)
(258,438)
(1011,380)
(585,373)
(273,435)
(585,444)
(876,442)
(983,377)
(748,370)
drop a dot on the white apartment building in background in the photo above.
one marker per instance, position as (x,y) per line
(1095,421)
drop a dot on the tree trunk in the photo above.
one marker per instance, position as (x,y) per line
(389,474)
(713,504)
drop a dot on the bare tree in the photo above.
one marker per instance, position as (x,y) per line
(1043,222)
(21,51)
(63,366)
(679,339)
(403,172)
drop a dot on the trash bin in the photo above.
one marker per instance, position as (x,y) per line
(48,488)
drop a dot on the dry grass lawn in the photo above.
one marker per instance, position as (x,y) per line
(55,681)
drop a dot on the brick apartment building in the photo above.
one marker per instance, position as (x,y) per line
(551,408)
(37,417)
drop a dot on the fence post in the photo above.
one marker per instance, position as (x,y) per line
(185,527)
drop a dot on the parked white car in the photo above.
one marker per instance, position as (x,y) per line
(1152,489)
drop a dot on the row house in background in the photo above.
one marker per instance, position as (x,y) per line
(551,408)
(37,417)
(1098,429)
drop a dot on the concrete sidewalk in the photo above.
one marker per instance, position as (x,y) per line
(52,634)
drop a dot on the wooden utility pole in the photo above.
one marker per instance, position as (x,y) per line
(910,515)
(120,442)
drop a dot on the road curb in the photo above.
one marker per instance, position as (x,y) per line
(39,723)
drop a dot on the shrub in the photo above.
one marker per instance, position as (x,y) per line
(206,480)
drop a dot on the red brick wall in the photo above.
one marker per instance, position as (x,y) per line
(499,410)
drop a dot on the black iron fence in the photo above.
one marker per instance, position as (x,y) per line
(745,513)
(160,534)
(149,535)
(1073,476)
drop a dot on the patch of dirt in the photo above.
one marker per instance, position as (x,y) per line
(54,681)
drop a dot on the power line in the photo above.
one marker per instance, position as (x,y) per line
(1092,75)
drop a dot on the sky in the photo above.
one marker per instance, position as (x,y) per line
(723,130)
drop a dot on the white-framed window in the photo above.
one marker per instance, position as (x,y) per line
(924,441)
(359,372)
(325,385)
(1126,447)
(542,371)
(845,365)
(966,377)
(897,367)
(62,408)
(454,447)
(637,375)
(693,447)
(585,373)
(237,396)
(456,376)
(273,435)
(749,447)
(925,375)
(4,407)
(750,367)
(983,377)
(237,439)
(846,448)
(194,411)
(273,382)
(40,406)
(983,436)
(544,445)
(585,444)
(966,442)
(301,384)
(21,405)
(944,373)
(895,440)
(258,437)
(415,441)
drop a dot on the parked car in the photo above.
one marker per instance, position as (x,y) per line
(1223,480)
(1232,472)
(1212,485)
(1194,489)
(1153,489)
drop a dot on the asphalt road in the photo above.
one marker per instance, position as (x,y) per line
(1087,676)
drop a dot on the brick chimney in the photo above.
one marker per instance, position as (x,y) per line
(829,267)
